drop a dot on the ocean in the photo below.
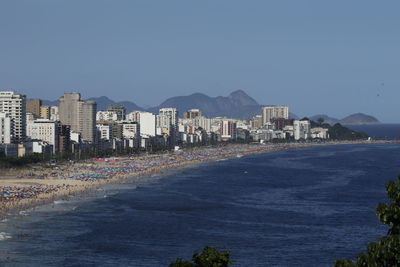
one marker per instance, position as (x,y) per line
(300,207)
(386,131)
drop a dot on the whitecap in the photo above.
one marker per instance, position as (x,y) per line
(60,201)
(4,236)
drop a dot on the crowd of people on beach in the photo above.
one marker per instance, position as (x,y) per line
(12,193)
(141,164)
(95,172)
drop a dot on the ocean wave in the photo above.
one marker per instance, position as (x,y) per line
(60,201)
(4,236)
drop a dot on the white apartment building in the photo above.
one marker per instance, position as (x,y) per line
(319,132)
(14,105)
(44,130)
(274,112)
(133,116)
(202,122)
(104,131)
(131,130)
(169,117)
(54,116)
(301,129)
(147,121)
(6,129)
(105,115)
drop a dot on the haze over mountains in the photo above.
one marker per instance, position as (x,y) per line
(236,105)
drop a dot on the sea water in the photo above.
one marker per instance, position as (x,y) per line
(300,207)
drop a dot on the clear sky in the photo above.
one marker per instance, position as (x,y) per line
(317,56)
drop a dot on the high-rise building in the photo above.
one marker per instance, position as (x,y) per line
(147,122)
(88,124)
(64,135)
(79,114)
(131,130)
(54,116)
(104,131)
(45,112)
(44,130)
(69,110)
(14,105)
(119,109)
(105,115)
(301,129)
(33,106)
(6,129)
(192,113)
(274,112)
(228,130)
(167,120)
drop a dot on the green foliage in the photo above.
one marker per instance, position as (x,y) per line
(181,263)
(386,251)
(338,132)
(210,257)
(320,121)
(10,162)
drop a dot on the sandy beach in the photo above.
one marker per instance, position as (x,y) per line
(21,189)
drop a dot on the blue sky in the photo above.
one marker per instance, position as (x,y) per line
(317,56)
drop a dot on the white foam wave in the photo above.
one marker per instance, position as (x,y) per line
(4,236)
(60,201)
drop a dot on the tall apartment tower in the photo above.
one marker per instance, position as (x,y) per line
(14,105)
(6,129)
(88,123)
(274,112)
(79,114)
(33,106)
(45,112)
(119,109)
(168,119)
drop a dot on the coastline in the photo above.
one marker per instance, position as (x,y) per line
(42,186)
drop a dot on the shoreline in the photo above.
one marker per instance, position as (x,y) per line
(39,187)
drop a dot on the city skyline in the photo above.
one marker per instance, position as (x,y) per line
(335,58)
(151,108)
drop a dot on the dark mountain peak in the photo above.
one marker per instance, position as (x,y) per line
(101,98)
(238,104)
(198,95)
(103,102)
(240,97)
(326,118)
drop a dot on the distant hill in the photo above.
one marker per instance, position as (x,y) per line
(357,118)
(103,102)
(326,118)
(237,105)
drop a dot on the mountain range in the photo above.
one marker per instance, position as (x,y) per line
(237,104)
